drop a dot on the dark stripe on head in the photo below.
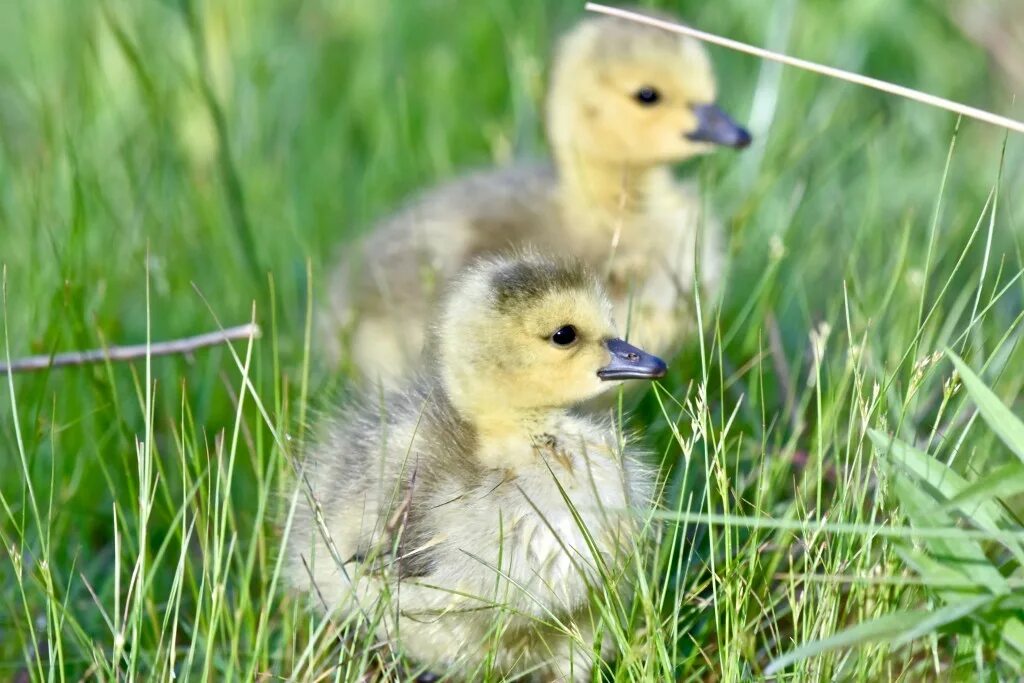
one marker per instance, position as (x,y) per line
(527,280)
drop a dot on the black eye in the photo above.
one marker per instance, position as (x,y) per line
(647,95)
(564,336)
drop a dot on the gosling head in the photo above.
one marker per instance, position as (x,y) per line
(632,94)
(530,333)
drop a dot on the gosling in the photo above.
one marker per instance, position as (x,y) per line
(624,102)
(471,509)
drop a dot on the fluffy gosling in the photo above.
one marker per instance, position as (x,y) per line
(624,102)
(448,505)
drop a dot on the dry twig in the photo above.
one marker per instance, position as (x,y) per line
(124,353)
(831,72)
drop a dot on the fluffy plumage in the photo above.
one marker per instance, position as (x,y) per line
(624,102)
(446,500)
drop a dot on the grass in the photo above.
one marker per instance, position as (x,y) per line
(839,501)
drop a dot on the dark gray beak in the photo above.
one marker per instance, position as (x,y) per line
(715,126)
(629,362)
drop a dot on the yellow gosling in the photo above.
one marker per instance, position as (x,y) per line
(448,506)
(624,102)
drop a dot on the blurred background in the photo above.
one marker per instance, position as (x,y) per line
(224,151)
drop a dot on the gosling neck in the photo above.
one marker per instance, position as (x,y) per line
(615,191)
(506,435)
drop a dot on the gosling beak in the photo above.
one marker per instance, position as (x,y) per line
(715,126)
(629,362)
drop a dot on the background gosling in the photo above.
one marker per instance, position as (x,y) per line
(448,496)
(624,101)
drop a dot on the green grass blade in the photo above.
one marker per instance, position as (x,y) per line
(947,485)
(898,628)
(999,418)
(1003,482)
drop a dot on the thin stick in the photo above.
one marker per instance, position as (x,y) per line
(123,353)
(884,86)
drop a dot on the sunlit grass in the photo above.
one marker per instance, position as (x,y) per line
(837,499)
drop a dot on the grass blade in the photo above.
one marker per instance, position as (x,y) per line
(1000,419)
(899,628)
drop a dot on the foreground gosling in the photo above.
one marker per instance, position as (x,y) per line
(448,506)
(625,100)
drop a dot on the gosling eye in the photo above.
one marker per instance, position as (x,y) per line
(564,336)
(647,95)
